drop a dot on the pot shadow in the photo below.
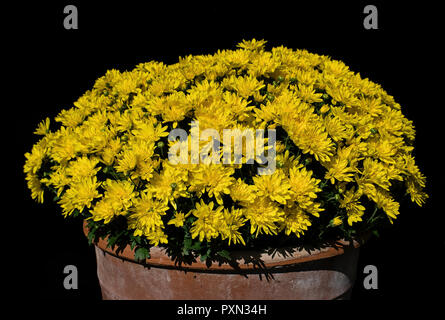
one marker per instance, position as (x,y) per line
(257,266)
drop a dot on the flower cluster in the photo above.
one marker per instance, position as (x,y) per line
(343,147)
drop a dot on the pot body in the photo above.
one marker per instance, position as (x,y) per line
(319,274)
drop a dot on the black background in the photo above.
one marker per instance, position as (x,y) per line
(54,67)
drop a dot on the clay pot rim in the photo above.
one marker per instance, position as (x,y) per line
(159,258)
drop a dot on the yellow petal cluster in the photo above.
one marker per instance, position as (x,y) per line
(107,155)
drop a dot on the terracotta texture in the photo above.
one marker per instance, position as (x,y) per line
(290,274)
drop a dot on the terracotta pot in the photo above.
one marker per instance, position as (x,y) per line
(287,274)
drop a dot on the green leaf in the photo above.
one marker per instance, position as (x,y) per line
(187,243)
(196,246)
(186,246)
(141,254)
(91,237)
(75,213)
(137,239)
(206,255)
(225,254)
(112,241)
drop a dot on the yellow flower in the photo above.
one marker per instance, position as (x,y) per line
(352,205)
(233,58)
(70,118)
(414,189)
(80,195)
(343,94)
(43,127)
(383,149)
(238,106)
(34,159)
(81,168)
(285,161)
(173,107)
(275,186)
(243,192)
(122,122)
(166,83)
(109,153)
(409,166)
(120,194)
(169,185)
(233,220)
(372,106)
(264,216)
(307,131)
(58,179)
(336,221)
(91,135)
(342,166)
(295,221)
(149,131)
(387,203)
(157,236)
(35,186)
(335,67)
(252,44)
(208,223)
(214,179)
(179,219)
(103,210)
(308,94)
(146,215)
(137,160)
(262,64)
(244,86)
(373,177)
(64,145)
(304,189)
(191,67)
(336,129)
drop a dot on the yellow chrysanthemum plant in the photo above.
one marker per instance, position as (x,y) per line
(341,147)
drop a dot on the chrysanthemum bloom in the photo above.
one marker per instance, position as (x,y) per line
(343,151)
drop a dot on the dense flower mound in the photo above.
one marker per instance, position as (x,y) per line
(343,151)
